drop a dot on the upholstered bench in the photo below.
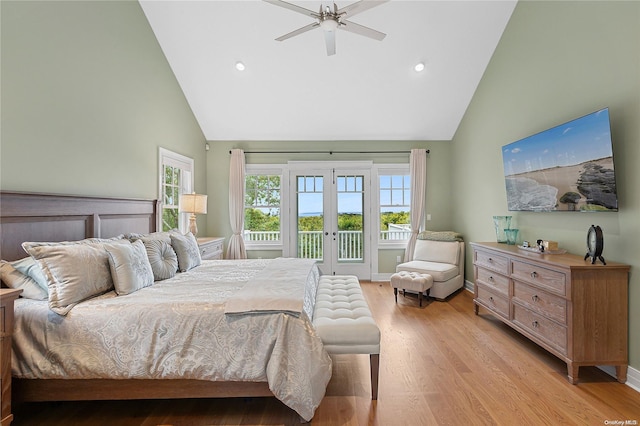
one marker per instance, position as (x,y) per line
(344,322)
(413,281)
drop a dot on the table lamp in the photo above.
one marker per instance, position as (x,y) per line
(193,204)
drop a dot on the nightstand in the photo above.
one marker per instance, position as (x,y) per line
(210,247)
(7,296)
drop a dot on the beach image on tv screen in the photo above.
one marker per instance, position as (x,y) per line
(566,168)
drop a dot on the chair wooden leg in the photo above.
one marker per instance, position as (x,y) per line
(420,298)
(395,293)
(374,360)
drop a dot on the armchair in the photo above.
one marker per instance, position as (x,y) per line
(443,260)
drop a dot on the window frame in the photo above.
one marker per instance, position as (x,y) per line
(398,169)
(271,170)
(186,165)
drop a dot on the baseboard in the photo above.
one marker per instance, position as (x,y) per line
(468,285)
(381,276)
(633,375)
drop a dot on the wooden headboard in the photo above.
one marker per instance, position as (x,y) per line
(49,217)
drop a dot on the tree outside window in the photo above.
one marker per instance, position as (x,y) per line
(395,207)
(262,208)
(176,177)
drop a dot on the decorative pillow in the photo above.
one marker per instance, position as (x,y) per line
(17,280)
(164,236)
(130,268)
(30,268)
(440,236)
(162,257)
(187,250)
(74,271)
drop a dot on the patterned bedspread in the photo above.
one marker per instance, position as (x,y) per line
(177,329)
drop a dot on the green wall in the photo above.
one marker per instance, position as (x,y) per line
(87,99)
(557,61)
(438,177)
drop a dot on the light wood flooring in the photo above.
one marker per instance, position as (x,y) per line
(439,365)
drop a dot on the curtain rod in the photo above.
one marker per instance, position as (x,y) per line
(329,152)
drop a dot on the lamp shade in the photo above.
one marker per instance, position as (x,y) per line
(193,203)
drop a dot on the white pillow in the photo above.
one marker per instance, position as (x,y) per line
(187,250)
(30,268)
(17,280)
(75,271)
(130,267)
(162,257)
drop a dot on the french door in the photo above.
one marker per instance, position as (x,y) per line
(330,205)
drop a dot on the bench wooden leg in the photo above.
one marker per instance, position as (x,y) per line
(374,360)
(395,293)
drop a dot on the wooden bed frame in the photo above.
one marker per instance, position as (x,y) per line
(47,217)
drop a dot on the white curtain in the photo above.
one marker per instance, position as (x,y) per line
(236,249)
(418,173)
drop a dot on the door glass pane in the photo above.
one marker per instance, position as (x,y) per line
(350,202)
(310,217)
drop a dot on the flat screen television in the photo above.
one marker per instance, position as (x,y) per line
(565,168)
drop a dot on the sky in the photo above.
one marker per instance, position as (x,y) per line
(583,139)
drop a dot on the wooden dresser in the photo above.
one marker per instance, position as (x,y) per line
(7,296)
(210,247)
(576,310)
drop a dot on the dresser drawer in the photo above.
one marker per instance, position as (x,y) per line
(548,305)
(493,301)
(543,328)
(492,261)
(498,283)
(548,279)
(210,248)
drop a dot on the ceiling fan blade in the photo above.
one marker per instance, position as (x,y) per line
(298,31)
(360,7)
(294,7)
(352,27)
(330,41)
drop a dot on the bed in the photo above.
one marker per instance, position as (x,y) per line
(218,329)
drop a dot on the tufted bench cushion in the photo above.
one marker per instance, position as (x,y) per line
(409,280)
(344,322)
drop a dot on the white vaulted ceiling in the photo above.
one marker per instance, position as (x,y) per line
(291,90)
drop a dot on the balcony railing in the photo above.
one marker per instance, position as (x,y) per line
(261,235)
(310,243)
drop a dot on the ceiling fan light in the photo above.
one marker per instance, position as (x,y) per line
(419,67)
(329,24)
(240,66)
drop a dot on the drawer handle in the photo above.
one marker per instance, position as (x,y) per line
(535,298)
(535,324)
(491,278)
(491,298)
(490,260)
(534,274)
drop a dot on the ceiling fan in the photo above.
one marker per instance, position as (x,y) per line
(331,18)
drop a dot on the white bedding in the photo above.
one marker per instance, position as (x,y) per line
(177,329)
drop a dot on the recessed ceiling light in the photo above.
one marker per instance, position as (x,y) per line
(419,67)
(240,66)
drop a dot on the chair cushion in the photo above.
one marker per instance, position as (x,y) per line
(439,271)
(437,251)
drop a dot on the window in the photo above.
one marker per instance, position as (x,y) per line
(395,205)
(263,207)
(176,177)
